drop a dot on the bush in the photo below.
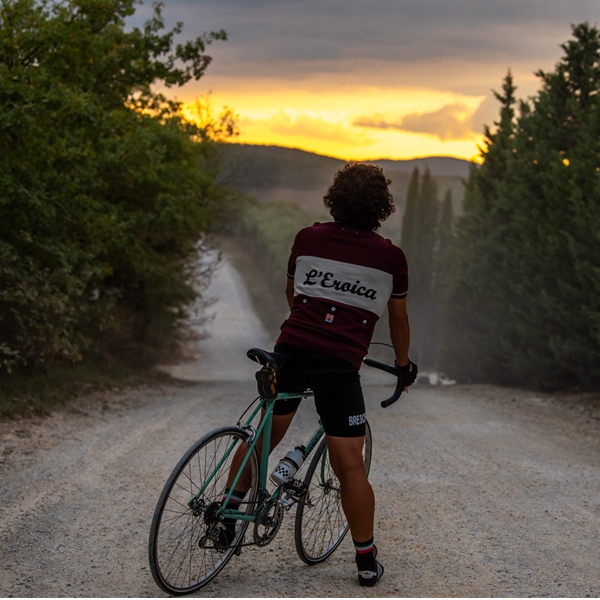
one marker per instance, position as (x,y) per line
(105,189)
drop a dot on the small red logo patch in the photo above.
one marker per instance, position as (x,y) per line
(329,318)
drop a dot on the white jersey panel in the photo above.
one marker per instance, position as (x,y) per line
(361,287)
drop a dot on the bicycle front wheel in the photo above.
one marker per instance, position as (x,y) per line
(321,526)
(183,548)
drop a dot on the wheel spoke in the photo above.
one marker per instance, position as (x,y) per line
(178,562)
(321,527)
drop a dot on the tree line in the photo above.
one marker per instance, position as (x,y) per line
(517,300)
(425,239)
(105,190)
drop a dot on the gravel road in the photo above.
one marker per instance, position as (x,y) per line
(481,491)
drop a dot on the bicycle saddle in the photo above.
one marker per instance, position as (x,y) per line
(271,360)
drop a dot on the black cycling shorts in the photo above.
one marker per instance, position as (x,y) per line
(336,386)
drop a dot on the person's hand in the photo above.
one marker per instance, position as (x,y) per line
(408,374)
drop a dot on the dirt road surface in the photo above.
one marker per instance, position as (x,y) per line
(480,491)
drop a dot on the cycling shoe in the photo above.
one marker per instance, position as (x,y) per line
(370,578)
(225,536)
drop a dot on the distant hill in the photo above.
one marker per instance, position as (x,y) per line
(262,167)
(438,165)
(277,174)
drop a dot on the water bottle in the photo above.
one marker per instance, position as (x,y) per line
(288,466)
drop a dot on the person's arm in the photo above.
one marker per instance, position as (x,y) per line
(399,329)
(289,292)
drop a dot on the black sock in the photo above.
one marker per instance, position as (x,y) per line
(235,500)
(365,557)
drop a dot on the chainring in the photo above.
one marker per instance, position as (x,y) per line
(267,523)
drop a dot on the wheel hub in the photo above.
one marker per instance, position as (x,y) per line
(210,514)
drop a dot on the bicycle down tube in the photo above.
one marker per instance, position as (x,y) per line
(264,428)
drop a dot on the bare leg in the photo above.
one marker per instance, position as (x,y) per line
(358,500)
(280,425)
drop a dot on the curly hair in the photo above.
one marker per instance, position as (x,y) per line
(359,196)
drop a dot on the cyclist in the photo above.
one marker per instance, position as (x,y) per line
(341,277)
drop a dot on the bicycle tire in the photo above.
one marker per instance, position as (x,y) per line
(319,529)
(179,565)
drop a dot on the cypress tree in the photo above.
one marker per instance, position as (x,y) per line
(445,230)
(410,210)
(419,230)
(474,309)
(523,293)
(441,266)
(558,222)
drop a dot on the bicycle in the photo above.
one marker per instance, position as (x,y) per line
(184,550)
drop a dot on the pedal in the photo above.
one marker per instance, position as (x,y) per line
(297,491)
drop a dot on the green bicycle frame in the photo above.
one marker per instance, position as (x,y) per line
(264,428)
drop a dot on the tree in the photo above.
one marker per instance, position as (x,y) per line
(419,239)
(442,252)
(474,303)
(104,191)
(445,229)
(522,296)
(407,239)
(558,166)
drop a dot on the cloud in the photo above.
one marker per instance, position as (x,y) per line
(469,41)
(451,122)
(303,125)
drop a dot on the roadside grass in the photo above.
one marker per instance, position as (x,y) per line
(116,361)
(24,394)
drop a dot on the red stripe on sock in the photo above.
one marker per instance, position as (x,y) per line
(232,501)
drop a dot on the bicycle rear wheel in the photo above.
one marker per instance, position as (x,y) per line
(182,552)
(321,527)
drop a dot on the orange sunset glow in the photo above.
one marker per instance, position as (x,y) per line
(363,80)
(355,123)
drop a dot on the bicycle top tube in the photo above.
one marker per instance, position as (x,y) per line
(289,395)
(268,404)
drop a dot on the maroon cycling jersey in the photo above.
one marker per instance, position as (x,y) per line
(343,279)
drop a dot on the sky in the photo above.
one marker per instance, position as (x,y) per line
(368,79)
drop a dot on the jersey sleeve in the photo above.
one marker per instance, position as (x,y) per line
(302,243)
(400,285)
(291,268)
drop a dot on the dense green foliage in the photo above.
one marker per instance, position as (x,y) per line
(270,230)
(424,240)
(105,190)
(523,301)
